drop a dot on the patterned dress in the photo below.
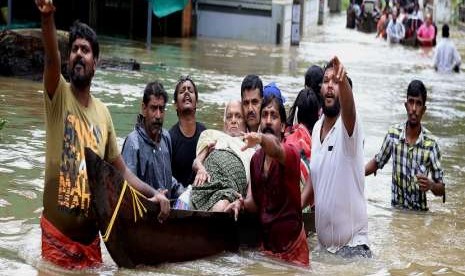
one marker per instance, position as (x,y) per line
(228,176)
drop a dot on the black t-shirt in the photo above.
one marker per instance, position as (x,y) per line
(184,153)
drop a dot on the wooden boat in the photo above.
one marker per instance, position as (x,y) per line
(136,237)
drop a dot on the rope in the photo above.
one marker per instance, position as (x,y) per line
(137,205)
(136,202)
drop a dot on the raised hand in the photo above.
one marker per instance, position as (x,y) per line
(339,70)
(45,6)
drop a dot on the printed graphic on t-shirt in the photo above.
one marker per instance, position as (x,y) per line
(73,191)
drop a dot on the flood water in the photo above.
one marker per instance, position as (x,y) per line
(403,243)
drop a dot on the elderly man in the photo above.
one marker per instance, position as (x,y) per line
(223,169)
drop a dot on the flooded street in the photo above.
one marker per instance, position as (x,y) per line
(403,243)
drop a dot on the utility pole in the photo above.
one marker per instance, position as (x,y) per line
(149,26)
(10,14)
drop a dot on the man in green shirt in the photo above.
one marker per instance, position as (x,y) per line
(415,153)
(75,120)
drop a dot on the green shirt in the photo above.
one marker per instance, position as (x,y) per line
(70,128)
(423,157)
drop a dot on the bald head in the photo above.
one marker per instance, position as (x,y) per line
(234,123)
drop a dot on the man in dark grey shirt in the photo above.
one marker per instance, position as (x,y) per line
(147,150)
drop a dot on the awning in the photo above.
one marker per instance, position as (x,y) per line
(163,8)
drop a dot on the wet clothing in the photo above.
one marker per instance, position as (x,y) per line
(338,176)
(395,31)
(184,153)
(299,136)
(70,128)
(426,32)
(423,157)
(277,196)
(297,253)
(61,250)
(446,56)
(228,167)
(150,161)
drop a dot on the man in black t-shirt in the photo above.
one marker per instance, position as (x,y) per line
(185,133)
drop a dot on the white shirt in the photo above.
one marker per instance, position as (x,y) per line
(338,176)
(446,56)
(395,31)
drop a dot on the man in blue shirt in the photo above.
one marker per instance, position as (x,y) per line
(147,149)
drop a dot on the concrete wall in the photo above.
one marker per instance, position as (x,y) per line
(247,24)
(310,18)
(236,26)
(282,14)
(272,25)
(323,11)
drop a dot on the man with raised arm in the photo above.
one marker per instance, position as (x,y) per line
(337,169)
(75,120)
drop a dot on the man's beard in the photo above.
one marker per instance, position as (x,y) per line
(80,81)
(332,111)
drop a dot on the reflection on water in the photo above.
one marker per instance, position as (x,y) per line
(404,243)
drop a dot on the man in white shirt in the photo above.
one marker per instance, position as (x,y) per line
(395,30)
(337,169)
(446,57)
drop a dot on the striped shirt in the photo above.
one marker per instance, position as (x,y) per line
(423,157)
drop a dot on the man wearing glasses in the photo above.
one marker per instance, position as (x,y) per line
(147,149)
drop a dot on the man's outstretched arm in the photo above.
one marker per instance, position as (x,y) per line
(52,62)
(149,192)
